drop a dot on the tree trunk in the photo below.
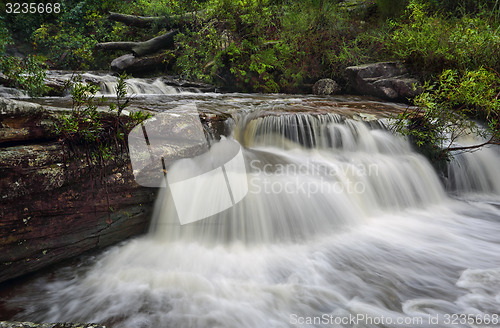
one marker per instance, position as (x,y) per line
(137,21)
(174,21)
(140,49)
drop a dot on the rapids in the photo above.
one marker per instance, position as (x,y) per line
(344,225)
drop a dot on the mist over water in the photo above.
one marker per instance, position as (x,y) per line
(342,219)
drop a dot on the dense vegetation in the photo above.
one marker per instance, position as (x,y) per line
(285,45)
(274,45)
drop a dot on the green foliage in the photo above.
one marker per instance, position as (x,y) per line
(23,25)
(83,124)
(391,8)
(68,40)
(199,53)
(97,131)
(464,7)
(253,65)
(26,73)
(66,47)
(273,46)
(448,110)
(276,45)
(5,37)
(431,43)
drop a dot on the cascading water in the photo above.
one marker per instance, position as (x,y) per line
(137,87)
(107,83)
(301,191)
(343,226)
(475,172)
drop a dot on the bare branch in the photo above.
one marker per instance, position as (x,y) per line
(492,141)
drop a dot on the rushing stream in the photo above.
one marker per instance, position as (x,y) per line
(344,225)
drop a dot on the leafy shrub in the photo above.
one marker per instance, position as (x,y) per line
(68,40)
(66,48)
(98,132)
(449,108)
(198,57)
(391,8)
(5,37)
(273,46)
(26,73)
(431,43)
(464,7)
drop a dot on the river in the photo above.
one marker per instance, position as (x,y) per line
(343,225)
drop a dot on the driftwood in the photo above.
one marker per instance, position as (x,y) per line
(174,21)
(140,49)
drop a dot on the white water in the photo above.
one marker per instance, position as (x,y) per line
(475,174)
(396,249)
(107,84)
(137,87)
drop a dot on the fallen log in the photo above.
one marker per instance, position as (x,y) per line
(174,21)
(120,45)
(140,49)
(137,21)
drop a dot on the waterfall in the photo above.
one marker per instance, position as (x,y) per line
(474,173)
(308,175)
(342,220)
(137,86)
(107,83)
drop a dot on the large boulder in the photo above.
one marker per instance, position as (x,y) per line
(386,80)
(326,87)
(131,64)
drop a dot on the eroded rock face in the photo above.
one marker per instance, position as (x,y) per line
(52,206)
(51,212)
(326,87)
(386,80)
